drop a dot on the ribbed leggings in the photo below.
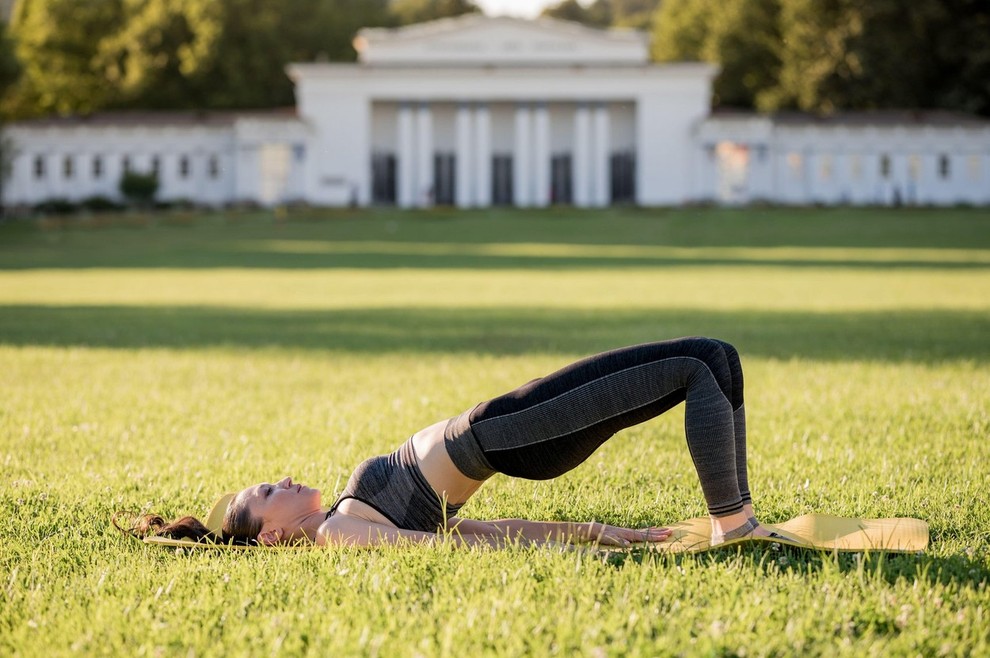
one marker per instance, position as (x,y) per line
(552,424)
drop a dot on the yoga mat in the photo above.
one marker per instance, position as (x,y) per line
(816,531)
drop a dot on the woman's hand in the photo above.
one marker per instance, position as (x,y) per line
(610,535)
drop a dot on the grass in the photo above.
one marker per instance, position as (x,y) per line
(156,362)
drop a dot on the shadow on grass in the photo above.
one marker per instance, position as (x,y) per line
(853,238)
(903,336)
(959,569)
(563,255)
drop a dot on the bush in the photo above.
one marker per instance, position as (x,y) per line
(139,188)
(56,206)
(100,203)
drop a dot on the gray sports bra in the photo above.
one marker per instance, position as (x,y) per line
(395,486)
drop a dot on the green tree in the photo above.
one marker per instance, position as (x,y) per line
(139,189)
(741,36)
(418,11)
(165,44)
(681,29)
(58,45)
(633,13)
(962,52)
(10,71)
(744,39)
(260,37)
(597,14)
(842,54)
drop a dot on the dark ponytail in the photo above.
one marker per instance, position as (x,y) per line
(239,527)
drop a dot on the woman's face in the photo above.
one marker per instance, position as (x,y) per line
(282,505)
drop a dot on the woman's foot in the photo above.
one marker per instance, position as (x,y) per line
(736,526)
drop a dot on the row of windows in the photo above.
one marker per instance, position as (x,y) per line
(97,166)
(795,162)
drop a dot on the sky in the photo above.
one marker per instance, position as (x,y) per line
(524,8)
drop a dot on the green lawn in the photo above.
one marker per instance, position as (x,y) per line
(156,362)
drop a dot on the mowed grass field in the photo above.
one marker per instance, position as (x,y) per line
(155,363)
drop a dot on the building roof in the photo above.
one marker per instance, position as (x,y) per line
(161,118)
(879,118)
(474,39)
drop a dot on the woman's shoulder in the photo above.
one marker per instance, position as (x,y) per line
(354,508)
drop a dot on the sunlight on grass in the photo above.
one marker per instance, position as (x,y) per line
(155,370)
(550,251)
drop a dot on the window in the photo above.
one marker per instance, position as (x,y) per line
(943,166)
(885,166)
(156,165)
(39,166)
(383,178)
(184,167)
(67,167)
(794,164)
(561,184)
(214,166)
(126,164)
(826,167)
(973,165)
(622,166)
(444,178)
(97,167)
(502,193)
(856,166)
(914,167)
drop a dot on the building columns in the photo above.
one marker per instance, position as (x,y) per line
(601,183)
(522,180)
(424,161)
(581,180)
(464,183)
(482,156)
(406,166)
(541,156)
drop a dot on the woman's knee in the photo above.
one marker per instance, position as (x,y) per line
(714,355)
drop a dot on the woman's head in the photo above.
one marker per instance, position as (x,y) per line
(266,513)
(271,513)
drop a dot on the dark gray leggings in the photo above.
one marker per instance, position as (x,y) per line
(552,424)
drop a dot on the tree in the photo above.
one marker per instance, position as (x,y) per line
(681,29)
(260,37)
(58,44)
(744,38)
(598,14)
(164,45)
(842,54)
(139,189)
(633,13)
(10,71)
(418,11)
(741,36)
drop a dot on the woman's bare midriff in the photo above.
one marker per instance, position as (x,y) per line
(438,468)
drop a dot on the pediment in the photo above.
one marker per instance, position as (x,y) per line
(483,40)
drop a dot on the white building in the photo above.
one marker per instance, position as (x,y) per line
(478,111)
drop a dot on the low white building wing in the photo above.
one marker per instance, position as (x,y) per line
(477,111)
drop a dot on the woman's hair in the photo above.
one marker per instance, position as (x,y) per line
(239,527)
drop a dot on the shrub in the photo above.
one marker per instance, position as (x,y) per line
(99,203)
(139,188)
(56,206)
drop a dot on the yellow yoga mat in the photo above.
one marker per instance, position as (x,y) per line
(816,531)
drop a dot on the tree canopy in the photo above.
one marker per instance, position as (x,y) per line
(69,56)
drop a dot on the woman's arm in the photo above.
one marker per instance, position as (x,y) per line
(558,531)
(346,530)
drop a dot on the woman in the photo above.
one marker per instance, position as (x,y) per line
(538,431)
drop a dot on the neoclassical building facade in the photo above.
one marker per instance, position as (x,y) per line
(479,111)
